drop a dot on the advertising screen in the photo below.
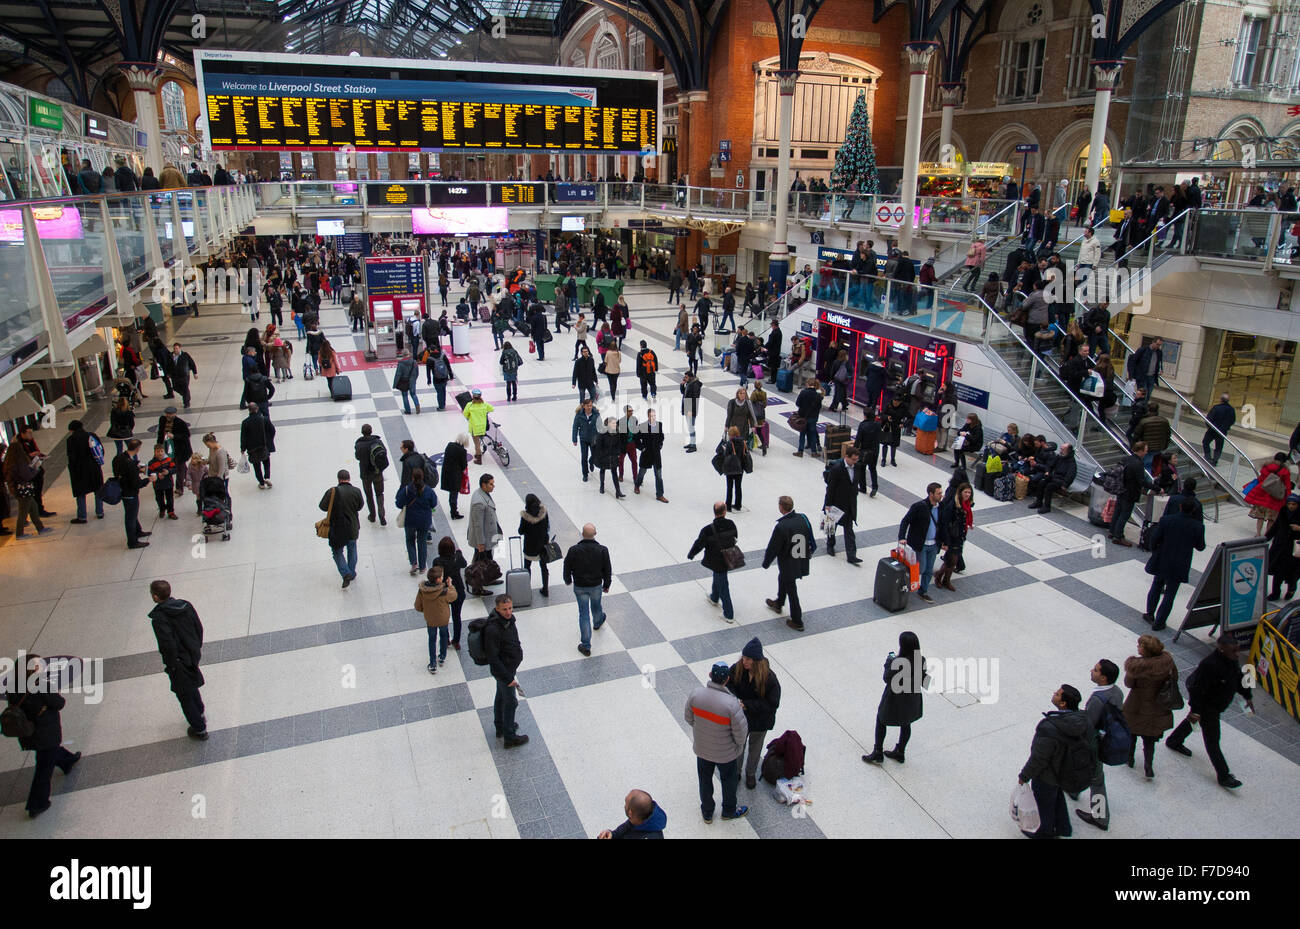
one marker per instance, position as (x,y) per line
(460,220)
(330,227)
(573,223)
(52,222)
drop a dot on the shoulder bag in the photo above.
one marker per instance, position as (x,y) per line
(552,552)
(1169,696)
(323,526)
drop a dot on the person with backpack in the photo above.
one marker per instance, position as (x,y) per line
(647,368)
(1105,712)
(510,362)
(85,469)
(33,719)
(1062,759)
(753,682)
(372,456)
(179,634)
(1148,675)
(645,819)
(419,501)
(900,705)
(1174,539)
(1210,689)
(716,540)
(438,372)
(502,652)
(719,732)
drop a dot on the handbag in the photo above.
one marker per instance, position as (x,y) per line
(464,481)
(734,557)
(1273,486)
(551,551)
(1169,696)
(532,347)
(798,423)
(960,442)
(243,467)
(323,526)
(401,518)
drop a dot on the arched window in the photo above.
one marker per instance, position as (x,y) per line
(1020,77)
(636,50)
(577,59)
(173,103)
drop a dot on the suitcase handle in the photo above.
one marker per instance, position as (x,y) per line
(510,552)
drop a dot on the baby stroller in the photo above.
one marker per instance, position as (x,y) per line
(215,507)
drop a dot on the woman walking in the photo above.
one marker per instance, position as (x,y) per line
(900,704)
(580,334)
(730,459)
(328,360)
(612,366)
(683,327)
(1283,564)
(605,453)
(121,423)
(455,468)
(584,375)
(452,563)
(434,598)
(956,517)
(1273,487)
(970,438)
(419,501)
(510,364)
(535,528)
(1146,674)
(740,414)
(755,685)
(758,402)
(694,348)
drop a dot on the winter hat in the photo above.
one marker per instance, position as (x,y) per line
(753,649)
(720,672)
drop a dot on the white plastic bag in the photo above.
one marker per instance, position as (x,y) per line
(244,467)
(790,791)
(1024,808)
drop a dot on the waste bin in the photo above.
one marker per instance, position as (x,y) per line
(586,290)
(459,337)
(610,288)
(546,284)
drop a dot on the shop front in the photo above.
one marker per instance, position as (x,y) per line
(883,357)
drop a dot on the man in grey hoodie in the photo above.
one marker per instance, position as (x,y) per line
(1104,674)
(719,731)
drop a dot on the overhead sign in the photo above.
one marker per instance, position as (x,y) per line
(988,169)
(44,114)
(893,214)
(1027,147)
(724,145)
(458,194)
(397,195)
(517,194)
(92,127)
(281,102)
(938,168)
(394,275)
(575,193)
(970,395)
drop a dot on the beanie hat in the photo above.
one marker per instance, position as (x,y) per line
(720,672)
(753,649)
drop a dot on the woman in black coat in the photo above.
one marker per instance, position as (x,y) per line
(734,451)
(1282,535)
(121,423)
(605,453)
(900,704)
(452,563)
(584,375)
(754,684)
(973,430)
(891,431)
(535,528)
(85,471)
(955,519)
(47,739)
(455,462)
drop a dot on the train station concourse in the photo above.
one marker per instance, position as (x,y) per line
(710,419)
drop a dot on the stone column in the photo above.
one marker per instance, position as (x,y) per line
(1107,74)
(326,168)
(918,58)
(779,261)
(295,165)
(399,166)
(950,94)
(142,77)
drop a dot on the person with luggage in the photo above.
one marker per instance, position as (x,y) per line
(1174,539)
(840,376)
(1136,482)
(1148,675)
(1062,740)
(758,402)
(956,518)
(808,406)
(85,469)
(510,361)
(900,705)
(504,654)
(455,468)
(1210,689)
(535,532)
(647,369)
(45,738)
(973,432)
(753,682)
(893,420)
(419,501)
(587,569)
(452,562)
(1107,693)
(715,540)
(342,505)
(867,442)
(719,732)
(179,634)
(483,531)
(732,459)
(1267,496)
(842,494)
(791,546)
(649,440)
(920,530)
(476,414)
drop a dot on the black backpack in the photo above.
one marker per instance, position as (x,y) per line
(430,472)
(1116,737)
(15,723)
(475,641)
(1078,762)
(379,457)
(1113,480)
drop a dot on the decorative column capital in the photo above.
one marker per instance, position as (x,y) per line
(950,93)
(141,75)
(919,55)
(785,81)
(693,96)
(1106,73)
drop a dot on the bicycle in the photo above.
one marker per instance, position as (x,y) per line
(492,442)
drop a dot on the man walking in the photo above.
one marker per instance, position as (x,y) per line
(483,530)
(690,388)
(843,495)
(791,546)
(1146,364)
(182,368)
(647,368)
(372,456)
(179,633)
(1173,541)
(703,307)
(1135,482)
(587,569)
(1221,417)
(728,311)
(586,423)
(46,739)
(504,654)
(650,447)
(129,474)
(257,440)
(920,530)
(714,539)
(342,507)
(1210,689)
(867,442)
(719,732)
(1104,674)
(1049,755)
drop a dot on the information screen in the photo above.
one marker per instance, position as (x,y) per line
(394,276)
(282,102)
(398,195)
(517,194)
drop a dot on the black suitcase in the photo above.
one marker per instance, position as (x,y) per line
(341,389)
(463,398)
(893,578)
(988,480)
(1144,535)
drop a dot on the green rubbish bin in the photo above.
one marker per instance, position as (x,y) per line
(155,311)
(586,290)
(610,288)
(546,284)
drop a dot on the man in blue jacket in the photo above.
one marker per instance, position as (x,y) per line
(645,819)
(920,530)
(1173,541)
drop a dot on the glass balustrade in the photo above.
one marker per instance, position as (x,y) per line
(20,315)
(160,204)
(127,213)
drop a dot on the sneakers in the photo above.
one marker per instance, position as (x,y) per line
(432,669)
(926,597)
(740,813)
(414,570)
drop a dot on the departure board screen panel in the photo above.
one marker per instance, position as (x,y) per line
(302,102)
(524,194)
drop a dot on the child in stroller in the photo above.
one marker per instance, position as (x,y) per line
(123,386)
(195,471)
(215,509)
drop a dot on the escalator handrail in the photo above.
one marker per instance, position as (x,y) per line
(1153,234)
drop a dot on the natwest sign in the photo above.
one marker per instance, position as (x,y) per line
(836,319)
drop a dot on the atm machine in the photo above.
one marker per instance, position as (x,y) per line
(388,336)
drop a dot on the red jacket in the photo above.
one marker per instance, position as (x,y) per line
(1260,497)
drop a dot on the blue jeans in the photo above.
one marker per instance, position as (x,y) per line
(588,604)
(346,565)
(81,505)
(417,546)
(722,591)
(809,435)
(677,339)
(928,554)
(440,388)
(573,306)
(438,637)
(1146,383)
(659,478)
(131,517)
(409,397)
(498,338)
(729,774)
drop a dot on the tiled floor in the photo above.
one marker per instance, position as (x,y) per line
(325,723)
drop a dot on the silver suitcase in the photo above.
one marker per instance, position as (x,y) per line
(519,583)
(1097,498)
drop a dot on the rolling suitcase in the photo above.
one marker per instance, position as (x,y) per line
(926,440)
(341,389)
(987,482)
(834,441)
(463,398)
(485,312)
(785,380)
(519,583)
(892,582)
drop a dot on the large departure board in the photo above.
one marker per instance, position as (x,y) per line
(305,102)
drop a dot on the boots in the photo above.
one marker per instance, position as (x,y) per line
(943,578)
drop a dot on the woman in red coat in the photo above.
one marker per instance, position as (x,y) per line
(1266,501)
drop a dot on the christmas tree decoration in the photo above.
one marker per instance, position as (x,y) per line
(855,162)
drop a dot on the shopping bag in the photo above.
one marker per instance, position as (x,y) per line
(907,556)
(1024,808)
(244,466)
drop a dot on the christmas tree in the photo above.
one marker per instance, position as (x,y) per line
(855,162)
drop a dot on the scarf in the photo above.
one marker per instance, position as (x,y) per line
(970,514)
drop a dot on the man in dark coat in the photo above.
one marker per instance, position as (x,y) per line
(920,530)
(85,469)
(867,442)
(127,470)
(1221,417)
(1187,491)
(181,367)
(791,546)
(47,740)
(703,307)
(343,504)
(372,478)
(1135,482)
(124,177)
(505,654)
(1210,689)
(645,818)
(1146,363)
(712,540)
(1065,724)
(1173,541)
(649,445)
(1059,476)
(537,329)
(179,633)
(842,494)
(774,350)
(182,447)
(257,439)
